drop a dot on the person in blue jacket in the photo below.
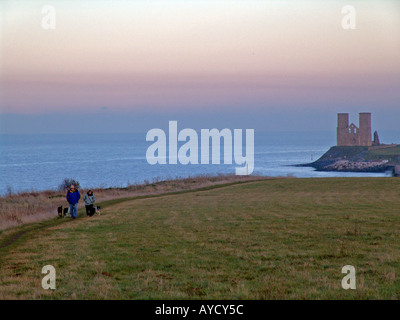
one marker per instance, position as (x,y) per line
(73,197)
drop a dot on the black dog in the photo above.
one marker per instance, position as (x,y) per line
(60,211)
(94,210)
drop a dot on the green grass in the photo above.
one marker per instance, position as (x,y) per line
(272,239)
(391,154)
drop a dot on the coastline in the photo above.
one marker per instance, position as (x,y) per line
(376,159)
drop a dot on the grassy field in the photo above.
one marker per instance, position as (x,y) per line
(271,239)
(17,209)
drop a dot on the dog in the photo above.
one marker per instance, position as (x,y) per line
(96,210)
(62,212)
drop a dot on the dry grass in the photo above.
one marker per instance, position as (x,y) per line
(272,239)
(29,207)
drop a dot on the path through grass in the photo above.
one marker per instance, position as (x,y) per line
(273,239)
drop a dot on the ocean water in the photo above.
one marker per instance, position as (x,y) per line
(41,162)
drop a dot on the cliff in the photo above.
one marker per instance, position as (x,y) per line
(359,159)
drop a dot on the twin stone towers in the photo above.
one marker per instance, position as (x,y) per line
(351,135)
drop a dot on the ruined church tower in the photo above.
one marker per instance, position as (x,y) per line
(351,135)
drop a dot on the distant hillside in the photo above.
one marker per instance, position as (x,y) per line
(359,159)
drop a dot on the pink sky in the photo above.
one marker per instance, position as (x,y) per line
(173,55)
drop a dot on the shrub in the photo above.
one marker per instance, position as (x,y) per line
(66,183)
(9,191)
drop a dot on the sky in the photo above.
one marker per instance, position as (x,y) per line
(128,66)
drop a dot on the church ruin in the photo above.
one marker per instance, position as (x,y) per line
(351,135)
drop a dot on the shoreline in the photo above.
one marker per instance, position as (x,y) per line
(349,166)
(375,159)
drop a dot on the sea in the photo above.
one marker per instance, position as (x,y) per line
(39,162)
